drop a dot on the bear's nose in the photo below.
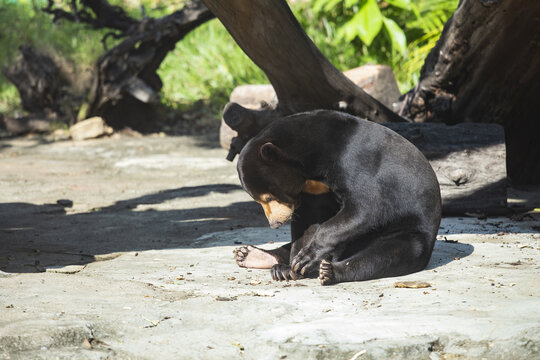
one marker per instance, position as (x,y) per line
(275,224)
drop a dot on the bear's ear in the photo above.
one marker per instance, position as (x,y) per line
(270,152)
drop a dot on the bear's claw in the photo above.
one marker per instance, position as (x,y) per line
(282,272)
(326,273)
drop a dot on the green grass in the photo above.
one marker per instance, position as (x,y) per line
(206,65)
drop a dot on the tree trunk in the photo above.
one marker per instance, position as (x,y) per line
(126,84)
(43,88)
(468,159)
(302,77)
(485,68)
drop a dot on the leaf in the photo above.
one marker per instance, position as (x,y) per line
(366,24)
(412,284)
(403,4)
(320,6)
(399,40)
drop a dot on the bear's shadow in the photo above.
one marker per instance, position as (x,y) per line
(445,252)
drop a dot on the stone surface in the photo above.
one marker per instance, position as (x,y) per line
(69,269)
(469,160)
(251,97)
(154,222)
(89,129)
(378,81)
(24,124)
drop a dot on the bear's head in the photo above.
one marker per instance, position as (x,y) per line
(272,178)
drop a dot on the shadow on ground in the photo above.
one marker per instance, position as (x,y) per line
(34,237)
(446,252)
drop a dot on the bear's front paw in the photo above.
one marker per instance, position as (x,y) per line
(307,261)
(282,272)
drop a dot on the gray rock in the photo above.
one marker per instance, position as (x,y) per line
(89,129)
(377,80)
(25,124)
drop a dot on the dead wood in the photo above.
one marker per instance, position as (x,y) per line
(43,88)
(126,85)
(302,77)
(484,68)
(469,161)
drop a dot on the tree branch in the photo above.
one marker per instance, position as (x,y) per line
(301,75)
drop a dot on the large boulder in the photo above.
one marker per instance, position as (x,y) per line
(251,97)
(377,80)
(90,129)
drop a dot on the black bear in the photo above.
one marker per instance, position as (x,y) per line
(364,203)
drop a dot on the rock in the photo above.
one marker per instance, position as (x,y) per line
(378,81)
(69,269)
(89,129)
(65,202)
(225,135)
(189,231)
(251,97)
(25,124)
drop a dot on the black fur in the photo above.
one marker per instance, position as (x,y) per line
(383,212)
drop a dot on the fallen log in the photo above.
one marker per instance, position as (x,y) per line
(45,90)
(377,81)
(468,158)
(303,78)
(484,69)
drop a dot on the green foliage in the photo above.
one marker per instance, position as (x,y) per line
(23,22)
(398,33)
(208,64)
(430,17)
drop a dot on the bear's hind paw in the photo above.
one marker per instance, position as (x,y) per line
(251,257)
(326,273)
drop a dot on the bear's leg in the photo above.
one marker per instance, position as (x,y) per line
(250,256)
(397,254)
(313,209)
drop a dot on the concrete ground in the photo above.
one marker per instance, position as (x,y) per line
(122,248)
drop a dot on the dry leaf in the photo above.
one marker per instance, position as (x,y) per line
(412,284)
(238,346)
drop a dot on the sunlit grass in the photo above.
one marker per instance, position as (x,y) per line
(206,65)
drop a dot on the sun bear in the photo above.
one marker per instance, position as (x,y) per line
(364,203)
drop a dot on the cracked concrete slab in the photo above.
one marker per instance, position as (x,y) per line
(140,266)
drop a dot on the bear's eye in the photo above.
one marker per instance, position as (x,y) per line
(268,198)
